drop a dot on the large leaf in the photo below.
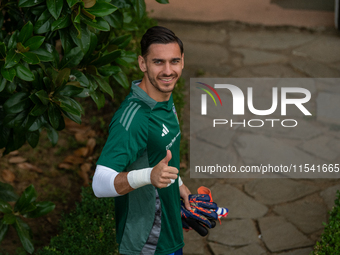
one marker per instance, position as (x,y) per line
(2,50)
(62,22)
(72,58)
(30,58)
(42,208)
(28,196)
(5,207)
(84,40)
(24,235)
(43,24)
(38,123)
(72,2)
(163,1)
(43,96)
(55,7)
(80,77)
(99,98)
(34,42)
(38,110)
(33,138)
(7,192)
(69,90)
(52,134)
(121,41)
(43,55)
(107,59)
(8,74)
(69,105)
(139,6)
(15,120)
(26,32)
(29,3)
(93,45)
(9,219)
(109,70)
(17,102)
(115,19)
(3,84)
(66,40)
(122,79)
(63,76)
(12,58)
(3,230)
(101,9)
(13,40)
(24,73)
(54,115)
(105,86)
(100,24)
(4,135)
(73,117)
(89,3)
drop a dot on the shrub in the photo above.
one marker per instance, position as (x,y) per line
(330,238)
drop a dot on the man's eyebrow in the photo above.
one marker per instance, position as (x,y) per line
(160,59)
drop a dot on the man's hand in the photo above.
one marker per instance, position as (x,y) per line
(184,192)
(162,174)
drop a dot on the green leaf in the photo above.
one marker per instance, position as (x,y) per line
(122,79)
(30,58)
(72,2)
(43,24)
(121,41)
(42,209)
(69,105)
(17,102)
(63,22)
(66,40)
(12,58)
(76,18)
(52,134)
(139,6)
(163,1)
(105,86)
(84,41)
(29,3)
(43,55)
(38,110)
(63,75)
(51,49)
(80,77)
(3,84)
(2,50)
(109,70)
(24,73)
(37,123)
(54,115)
(72,58)
(12,43)
(26,32)
(8,74)
(33,138)
(5,207)
(11,86)
(28,196)
(9,219)
(55,7)
(107,59)
(34,42)
(101,9)
(3,230)
(43,96)
(99,23)
(69,90)
(73,117)
(22,48)
(7,192)
(99,98)
(24,235)
(115,19)
(93,45)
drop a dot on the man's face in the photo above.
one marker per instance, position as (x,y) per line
(163,66)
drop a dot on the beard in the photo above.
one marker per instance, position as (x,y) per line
(168,88)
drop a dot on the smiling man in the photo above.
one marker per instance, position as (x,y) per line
(140,160)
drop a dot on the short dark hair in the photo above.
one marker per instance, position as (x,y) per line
(158,34)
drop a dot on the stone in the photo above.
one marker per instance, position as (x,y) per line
(306,215)
(193,243)
(239,204)
(276,191)
(325,49)
(269,40)
(256,57)
(275,70)
(243,72)
(253,249)
(329,196)
(280,235)
(305,251)
(235,233)
(313,68)
(325,147)
(205,55)
(221,139)
(328,108)
(267,153)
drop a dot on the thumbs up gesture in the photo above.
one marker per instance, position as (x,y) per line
(162,174)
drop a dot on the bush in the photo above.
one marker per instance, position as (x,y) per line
(330,239)
(89,230)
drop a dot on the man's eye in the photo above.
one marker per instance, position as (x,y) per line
(158,62)
(175,61)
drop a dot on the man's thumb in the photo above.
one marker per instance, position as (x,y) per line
(167,157)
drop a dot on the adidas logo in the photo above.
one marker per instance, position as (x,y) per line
(165,130)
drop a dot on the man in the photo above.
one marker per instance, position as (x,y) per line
(140,160)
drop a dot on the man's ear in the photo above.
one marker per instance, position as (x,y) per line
(182,60)
(142,63)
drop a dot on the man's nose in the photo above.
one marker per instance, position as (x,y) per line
(167,69)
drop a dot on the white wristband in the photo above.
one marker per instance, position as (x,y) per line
(139,178)
(180,182)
